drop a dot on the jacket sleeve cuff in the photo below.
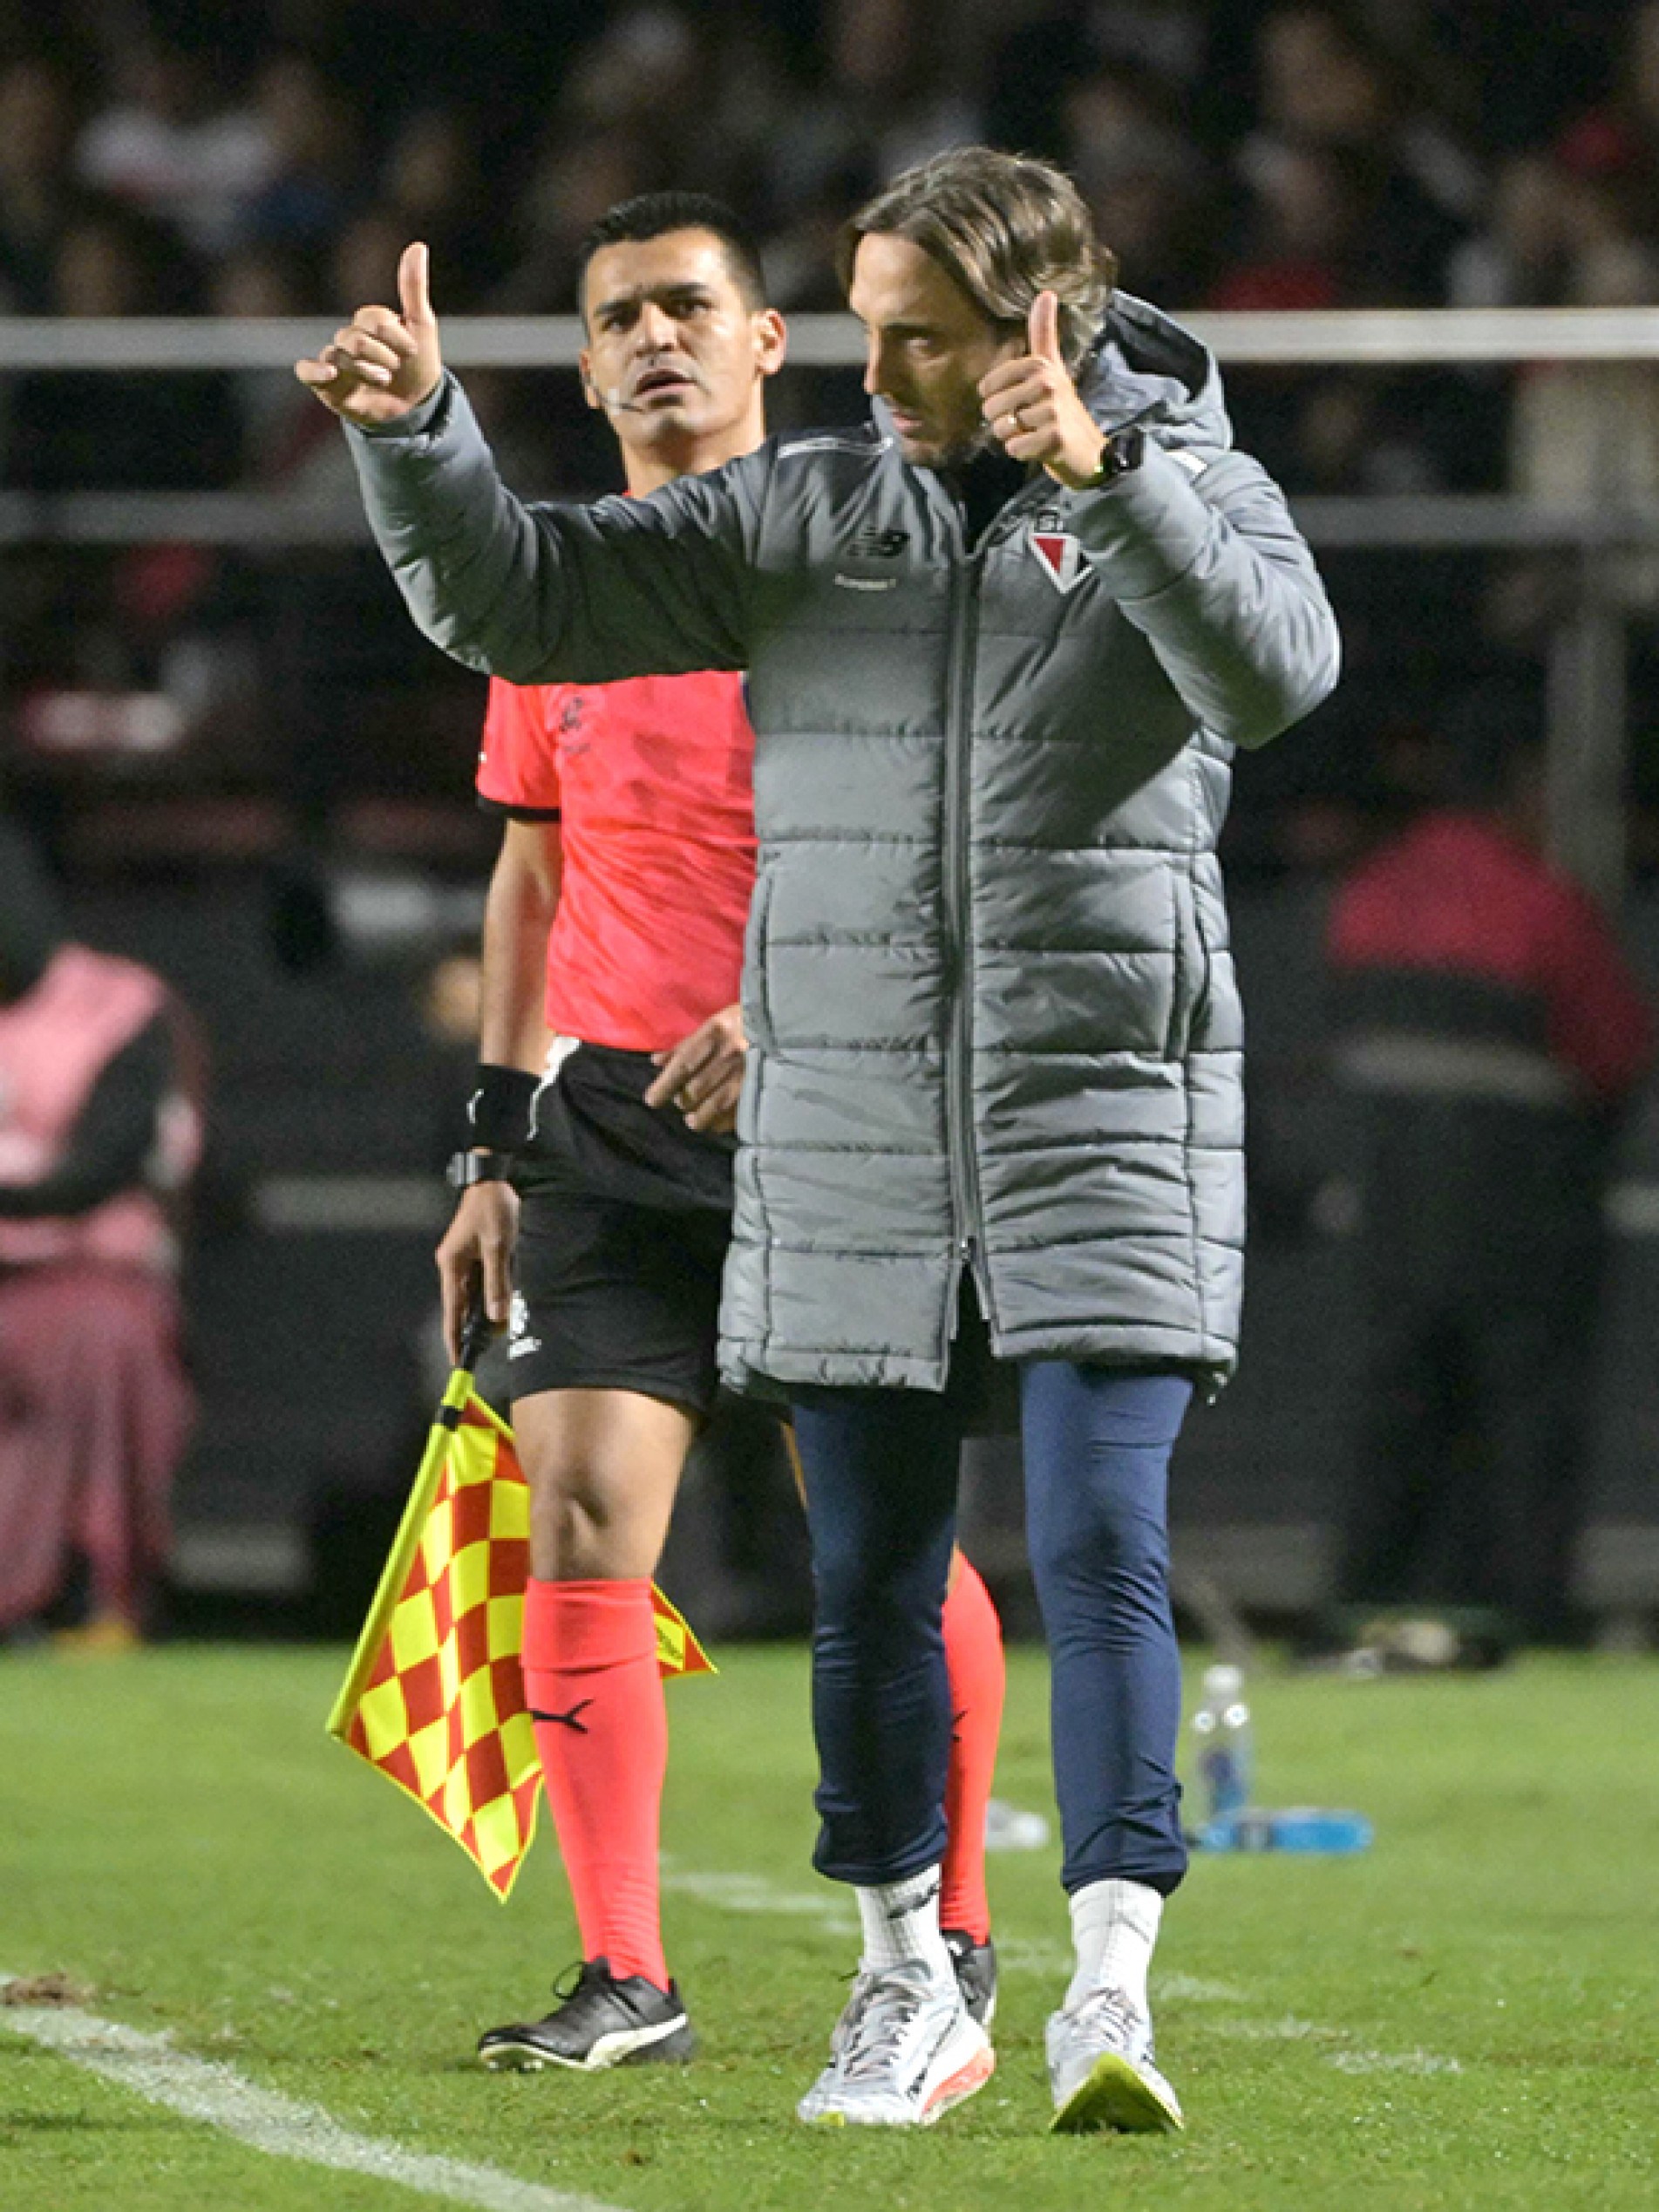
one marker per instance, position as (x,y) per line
(1147,528)
(431,415)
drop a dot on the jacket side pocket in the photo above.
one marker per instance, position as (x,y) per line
(1189,966)
(756,997)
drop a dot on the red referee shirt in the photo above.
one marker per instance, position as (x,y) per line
(652,783)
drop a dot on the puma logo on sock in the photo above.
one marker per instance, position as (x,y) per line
(916,1904)
(567,1719)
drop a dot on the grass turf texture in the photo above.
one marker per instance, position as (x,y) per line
(177,1834)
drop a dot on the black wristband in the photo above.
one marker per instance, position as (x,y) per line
(500,1110)
(467,1169)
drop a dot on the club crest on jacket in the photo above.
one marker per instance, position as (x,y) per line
(1061,558)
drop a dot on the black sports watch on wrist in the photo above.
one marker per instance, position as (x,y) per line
(1121,453)
(467,1169)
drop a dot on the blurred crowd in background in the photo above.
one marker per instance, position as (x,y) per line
(271,157)
(248,771)
(254,157)
(1299,154)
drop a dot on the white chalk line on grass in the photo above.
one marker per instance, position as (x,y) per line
(208,2091)
(753,1893)
(1346,2056)
(204,2090)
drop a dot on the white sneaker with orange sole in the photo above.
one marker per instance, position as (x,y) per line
(904,2051)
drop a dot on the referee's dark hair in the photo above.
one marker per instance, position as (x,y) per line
(653,214)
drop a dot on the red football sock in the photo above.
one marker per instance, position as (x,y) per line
(591,1681)
(978,1679)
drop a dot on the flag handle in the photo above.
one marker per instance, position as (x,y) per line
(476,1330)
(475,1334)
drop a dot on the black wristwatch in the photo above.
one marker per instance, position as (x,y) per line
(467,1169)
(1121,453)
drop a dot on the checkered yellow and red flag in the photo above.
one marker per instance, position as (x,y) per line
(434,1696)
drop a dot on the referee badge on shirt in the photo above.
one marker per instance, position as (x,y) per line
(1060,557)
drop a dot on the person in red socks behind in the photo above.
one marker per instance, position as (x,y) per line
(602,1171)
(1491,1034)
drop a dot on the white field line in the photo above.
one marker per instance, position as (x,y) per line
(1346,2056)
(202,2090)
(753,1893)
(1391,2062)
(1189,1988)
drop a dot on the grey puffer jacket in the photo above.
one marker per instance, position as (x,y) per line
(987,987)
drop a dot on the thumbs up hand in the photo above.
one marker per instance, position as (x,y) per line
(383,362)
(1033,407)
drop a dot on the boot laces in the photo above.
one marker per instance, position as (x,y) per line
(887,2010)
(1108,2014)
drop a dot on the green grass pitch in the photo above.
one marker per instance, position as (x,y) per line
(1466,2016)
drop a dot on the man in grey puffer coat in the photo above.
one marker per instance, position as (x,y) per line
(1001,646)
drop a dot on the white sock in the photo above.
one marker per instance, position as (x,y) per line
(1114,1925)
(901,1920)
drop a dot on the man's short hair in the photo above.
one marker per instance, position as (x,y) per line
(1005,227)
(653,214)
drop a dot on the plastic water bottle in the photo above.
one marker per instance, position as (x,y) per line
(1226,1760)
(1313,1829)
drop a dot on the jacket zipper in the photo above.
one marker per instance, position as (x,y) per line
(966,579)
(958,890)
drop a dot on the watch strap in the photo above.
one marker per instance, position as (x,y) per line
(465,1168)
(1120,453)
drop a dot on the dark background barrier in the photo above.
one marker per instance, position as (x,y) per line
(312,1292)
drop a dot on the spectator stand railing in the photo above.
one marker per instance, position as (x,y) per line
(1587,666)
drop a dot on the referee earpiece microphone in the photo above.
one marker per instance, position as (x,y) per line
(611,398)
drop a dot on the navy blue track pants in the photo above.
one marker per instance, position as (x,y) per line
(881,1473)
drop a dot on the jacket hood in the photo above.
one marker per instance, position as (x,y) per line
(1143,368)
(30,926)
(1146,369)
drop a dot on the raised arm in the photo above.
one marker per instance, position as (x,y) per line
(1211,569)
(1218,579)
(657,586)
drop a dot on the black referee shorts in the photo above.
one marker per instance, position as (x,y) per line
(625,1219)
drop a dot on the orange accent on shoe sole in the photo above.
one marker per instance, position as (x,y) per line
(962,2083)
